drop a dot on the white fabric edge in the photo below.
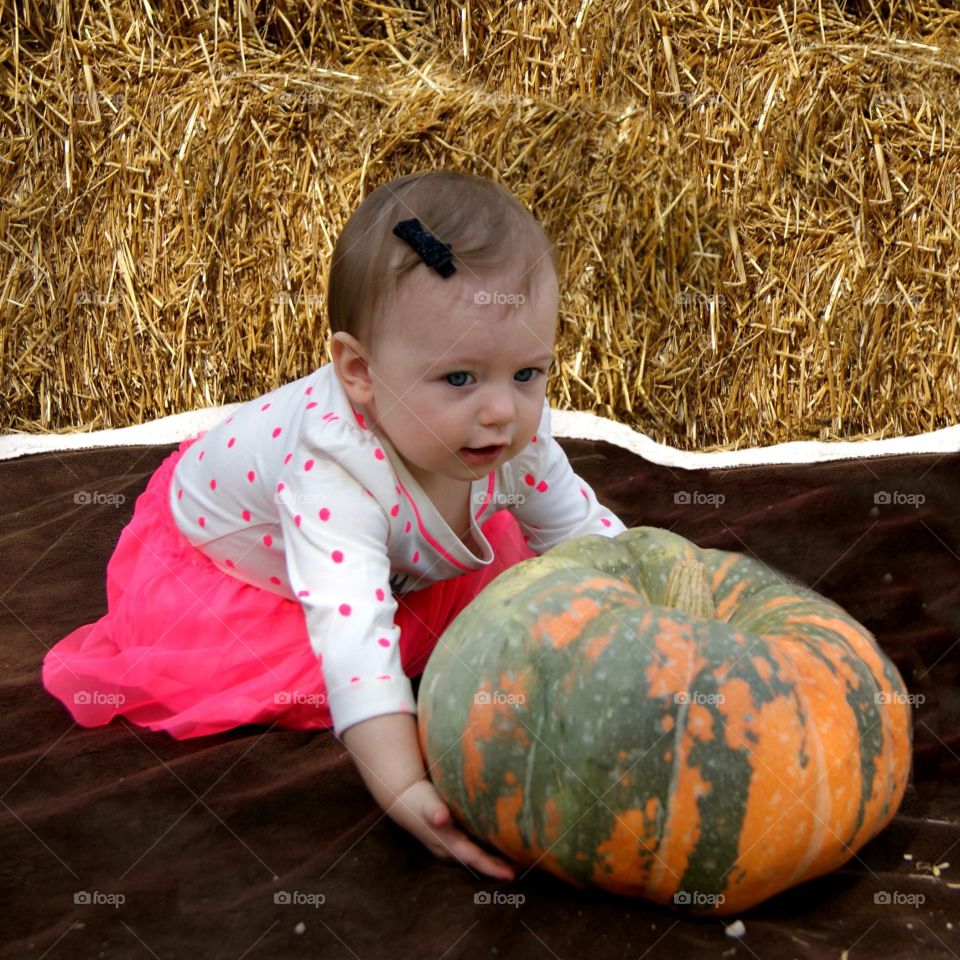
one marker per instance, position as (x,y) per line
(586,426)
(565,423)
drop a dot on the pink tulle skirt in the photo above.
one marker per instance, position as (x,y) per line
(186,648)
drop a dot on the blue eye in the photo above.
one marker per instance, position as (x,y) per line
(458,379)
(530,371)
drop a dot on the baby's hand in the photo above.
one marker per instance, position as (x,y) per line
(420,810)
(388,757)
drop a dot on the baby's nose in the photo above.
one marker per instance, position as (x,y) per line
(499,408)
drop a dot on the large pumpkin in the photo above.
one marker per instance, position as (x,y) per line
(665,721)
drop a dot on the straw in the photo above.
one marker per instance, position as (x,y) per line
(754,204)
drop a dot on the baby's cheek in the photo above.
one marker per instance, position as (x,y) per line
(438,426)
(531,419)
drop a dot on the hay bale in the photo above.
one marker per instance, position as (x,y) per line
(754,206)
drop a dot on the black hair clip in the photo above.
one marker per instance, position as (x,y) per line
(433,252)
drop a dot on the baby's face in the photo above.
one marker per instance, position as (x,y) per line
(459,370)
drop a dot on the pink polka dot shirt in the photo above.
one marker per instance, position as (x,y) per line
(295,494)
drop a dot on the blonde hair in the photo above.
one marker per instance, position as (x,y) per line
(487,228)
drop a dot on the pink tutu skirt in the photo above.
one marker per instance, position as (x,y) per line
(186,648)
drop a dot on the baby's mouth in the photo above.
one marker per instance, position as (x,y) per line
(482,454)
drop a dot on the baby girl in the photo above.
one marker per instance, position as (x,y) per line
(296,564)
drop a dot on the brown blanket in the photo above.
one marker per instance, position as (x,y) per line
(117,842)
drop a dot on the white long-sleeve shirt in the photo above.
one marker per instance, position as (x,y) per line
(295,494)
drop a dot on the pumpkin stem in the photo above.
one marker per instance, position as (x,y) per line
(688,590)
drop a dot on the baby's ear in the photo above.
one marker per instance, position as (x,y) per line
(352,367)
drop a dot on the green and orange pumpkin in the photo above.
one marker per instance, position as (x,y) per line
(665,721)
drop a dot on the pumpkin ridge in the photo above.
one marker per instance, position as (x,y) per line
(867,737)
(797,875)
(602,799)
(655,799)
(678,759)
(860,691)
(814,846)
(848,848)
(711,864)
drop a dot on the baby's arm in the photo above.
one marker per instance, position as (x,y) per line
(339,568)
(387,754)
(553,504)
